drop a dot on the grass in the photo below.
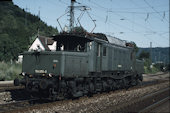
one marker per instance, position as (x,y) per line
(151,71)
(9,71)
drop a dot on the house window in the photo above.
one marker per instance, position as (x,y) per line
(104,51)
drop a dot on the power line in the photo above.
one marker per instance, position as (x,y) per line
(60,2)
(147,15)
(154,9)
(128,8)
(131,21)
(139,12)
(63,2)
(115,23)
(124,17)
(132,29)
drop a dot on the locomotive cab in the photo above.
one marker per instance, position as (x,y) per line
(41,67)
(71,43)
(70,49)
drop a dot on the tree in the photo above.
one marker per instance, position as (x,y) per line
(135,47)
(16,30)
(78,30)
(144,55)
(8,48)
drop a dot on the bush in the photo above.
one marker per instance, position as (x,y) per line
(152,70)
(9,71)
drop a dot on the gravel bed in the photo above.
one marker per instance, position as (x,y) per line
(97,103)
(5,97)
(10,96)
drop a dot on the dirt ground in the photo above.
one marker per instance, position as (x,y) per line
(157,76)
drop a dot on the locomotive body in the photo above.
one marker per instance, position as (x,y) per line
(81,65)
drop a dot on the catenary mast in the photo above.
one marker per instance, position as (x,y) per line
(72,15)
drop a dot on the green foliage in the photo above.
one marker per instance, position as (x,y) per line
(79,30)
(135,47)
(148,69)
(9,71)
(16,28)
(8,49)
(144,55)
(151,70)
(159,54)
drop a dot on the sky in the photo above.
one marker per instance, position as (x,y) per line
(140,21)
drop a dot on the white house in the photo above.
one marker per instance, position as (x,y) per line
(44,44)
(41,43)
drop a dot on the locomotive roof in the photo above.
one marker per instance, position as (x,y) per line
(71,37)
(111,39)
(91,37)
(117,41)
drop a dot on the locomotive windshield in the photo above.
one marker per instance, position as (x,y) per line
(71,43)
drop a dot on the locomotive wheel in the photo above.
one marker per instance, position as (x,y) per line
(91,90)
(114,85)
(52,96)
(124,83)
(133,82)
(105,86)
(139,82)
(16,82)
(43,84)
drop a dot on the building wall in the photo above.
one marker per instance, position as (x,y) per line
(53,46)
(20,58)
(35,45)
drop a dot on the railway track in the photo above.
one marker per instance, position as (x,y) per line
(8,85)
(144,104)
(154,107)
(35,107)
(4,108)
(21,104)
(9,88)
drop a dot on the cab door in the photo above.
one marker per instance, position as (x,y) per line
(99,57)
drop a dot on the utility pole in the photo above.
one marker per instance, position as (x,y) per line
(39,20)
(151,52)
(39,13)
(38,33)
(72,15)
(159,56)
(26,16)
(155,59)
(72,18)
(159,59)
(164,60)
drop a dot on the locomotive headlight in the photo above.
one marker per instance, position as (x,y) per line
(30,75)
(23,73)
(43,74)
(50,75)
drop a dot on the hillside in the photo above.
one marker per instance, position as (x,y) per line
(158,54)
(17,28)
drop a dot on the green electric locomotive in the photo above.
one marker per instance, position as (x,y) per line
(81,65)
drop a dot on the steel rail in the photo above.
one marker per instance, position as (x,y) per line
(151,107)
(16,105)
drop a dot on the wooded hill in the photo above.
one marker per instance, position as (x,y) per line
(159,54)
(17,27)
